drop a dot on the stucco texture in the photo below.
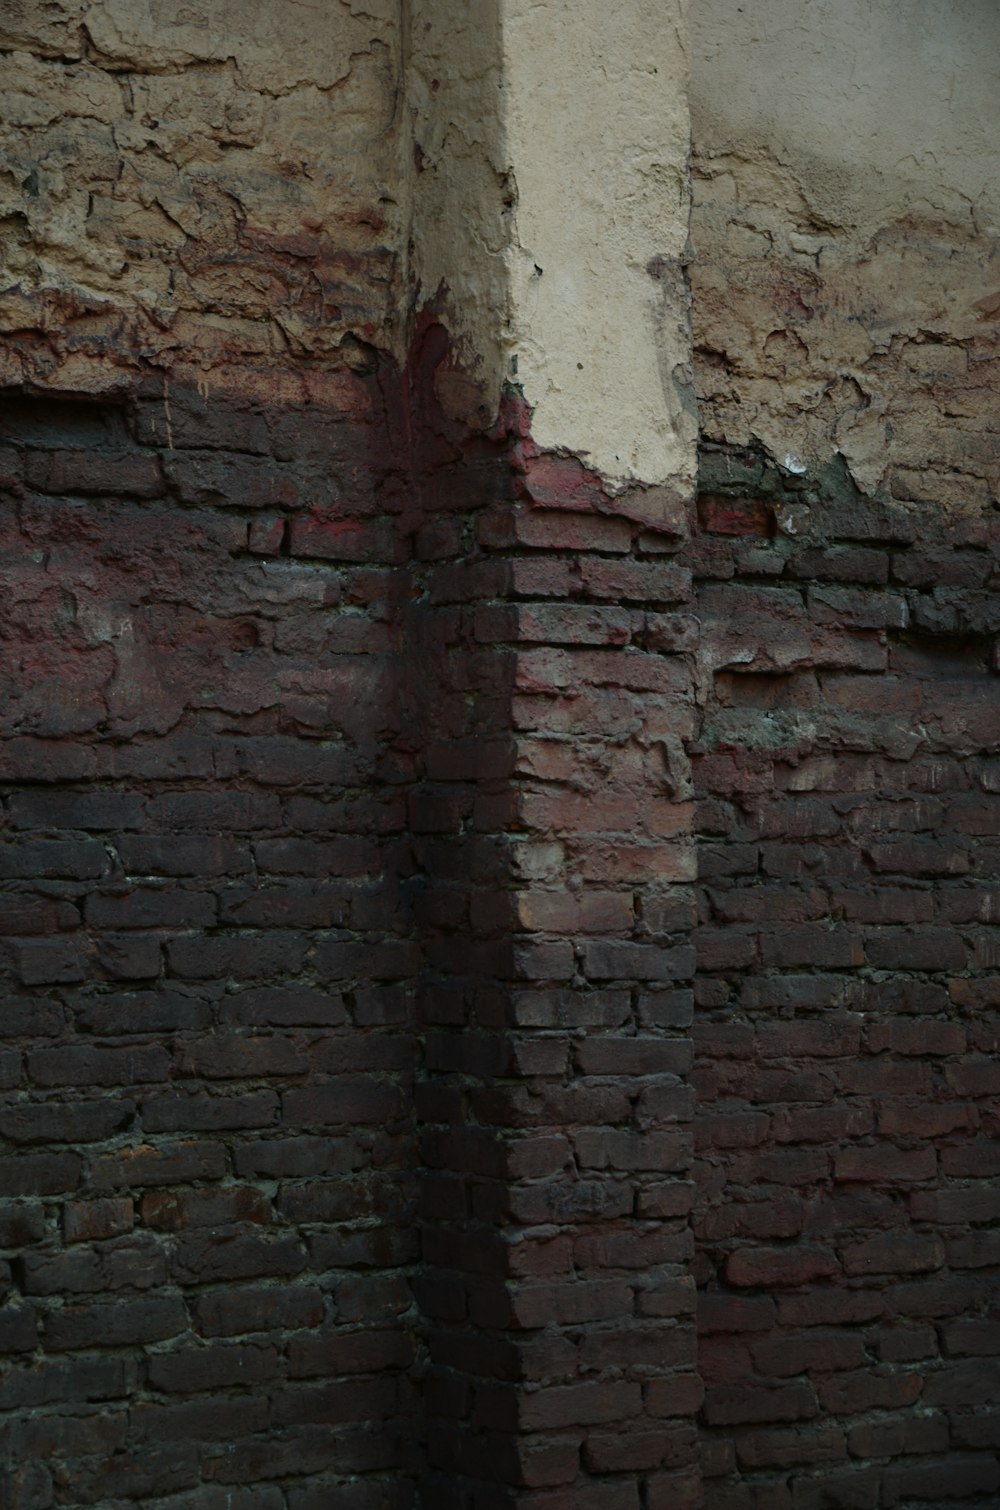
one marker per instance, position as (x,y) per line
(217,180)
(846,206)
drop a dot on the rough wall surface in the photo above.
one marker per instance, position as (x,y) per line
(351,863)
(208,1168)
(846,997)
(555,1000)
(846,210)
(209,183)
(207,1116)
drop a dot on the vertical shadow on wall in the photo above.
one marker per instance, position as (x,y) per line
(456,697)
(208,939)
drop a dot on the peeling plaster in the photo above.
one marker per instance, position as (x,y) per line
(598,137)
(845,224)
(218,182)
(551,214)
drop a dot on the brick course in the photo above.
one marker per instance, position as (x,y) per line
(451,940)
(841,946)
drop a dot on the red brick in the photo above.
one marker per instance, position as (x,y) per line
(885,1165)
(761,1267)
(750,1402)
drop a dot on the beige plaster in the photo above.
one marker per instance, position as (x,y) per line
(215,182)
(212,180)
(551,218)
(846,227)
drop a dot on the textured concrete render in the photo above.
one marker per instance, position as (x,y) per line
(846,207)
(498,940)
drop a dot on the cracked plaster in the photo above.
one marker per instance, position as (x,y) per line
(551,215)
(199,183)
(845,226)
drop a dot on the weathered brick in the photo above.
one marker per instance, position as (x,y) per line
(85,1221)
(738,1404)
(116,1323)
(162,1164)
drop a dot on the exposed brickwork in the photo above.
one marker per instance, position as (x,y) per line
(345,799)
(348,890)
(556,1001)
(846,997)
(208,1163)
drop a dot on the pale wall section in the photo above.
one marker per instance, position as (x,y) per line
(462,191)
(846,223)
(210,180)
(550,223)
(597,128)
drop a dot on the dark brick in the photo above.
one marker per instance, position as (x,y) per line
(171,1211)
(18,1329)
(189,855)
(62,1122)
(47,811)
(135,1263)
(54,962)
(233,1312)
(199,1112)
(84,1221)
(962,1476)
(83,1065)
(290,1158)
(349,1100)
(738,1404)
(62,1383)
(40,1174)
(218,1416)
(235,1254)
(217,1366)
(117,1323)
(150,907)
(241,956)
(284,1006)
(232,1057)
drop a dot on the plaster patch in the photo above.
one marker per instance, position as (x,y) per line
(845,220)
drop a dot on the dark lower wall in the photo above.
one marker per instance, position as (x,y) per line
(346,913)
(351,1017)
(556,1008)
(847,996)
(208,1166)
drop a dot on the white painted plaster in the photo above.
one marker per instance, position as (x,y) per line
(552,207)
(846,229)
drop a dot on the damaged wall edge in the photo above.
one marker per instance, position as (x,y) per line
(550,216)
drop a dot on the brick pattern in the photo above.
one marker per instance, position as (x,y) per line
(352,769)
(557,1002)
(207,1166)
(847,999)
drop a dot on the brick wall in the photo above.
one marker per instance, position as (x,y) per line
(208,1164)
(556,1001)
(847,998)
(352,1027)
